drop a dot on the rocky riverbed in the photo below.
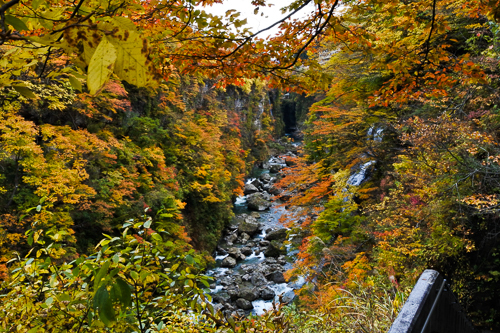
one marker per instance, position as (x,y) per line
(252,256)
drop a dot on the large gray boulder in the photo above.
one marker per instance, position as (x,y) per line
(249,189)
(275,249)
(228,262)
(234,252)
(249,294)
(246,250)
(257,202)
(249,226)
(265,177)
(258,279)
(275,168)
(277,277)
(277,234)
(244,304)
(267,294)
(256,183)
(244,238)
(233,294)
(274,190)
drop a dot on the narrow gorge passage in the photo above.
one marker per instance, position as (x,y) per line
(252,256)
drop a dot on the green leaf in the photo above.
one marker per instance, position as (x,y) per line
(103,304)
(101,65)
(125,292)
(102,272)
(16,23)
(75,83)
(134,275)
(189,259)
(24,91)
(231,322)
(157,237)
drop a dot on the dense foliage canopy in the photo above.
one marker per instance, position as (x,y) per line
(140,119)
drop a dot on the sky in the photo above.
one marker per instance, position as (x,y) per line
(255,22)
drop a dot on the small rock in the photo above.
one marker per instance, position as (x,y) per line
(244,304)
(218,307)
(274,190)
(221,250)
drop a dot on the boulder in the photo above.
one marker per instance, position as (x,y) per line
(233,294)
(267,294)
(221,250)
(249,227)
(264,243)
(275,249)
(258,279)
(265,177)
(275,168)
(249,189)
(255,215)
(274,190)
(257,183)
(244,237)
(228,262)
(234,252)
(257,202)
(277,277)
(246,250)
(249,294)
(231,238)
(244,304)
(277,234)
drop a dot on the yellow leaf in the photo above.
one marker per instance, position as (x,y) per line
(101,65)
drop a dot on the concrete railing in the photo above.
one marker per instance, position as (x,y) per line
(432,308)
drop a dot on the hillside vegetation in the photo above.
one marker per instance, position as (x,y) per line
(127,129)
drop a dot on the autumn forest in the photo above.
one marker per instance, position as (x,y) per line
(129,129)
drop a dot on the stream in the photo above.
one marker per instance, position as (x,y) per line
(255,249)
(252,256)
